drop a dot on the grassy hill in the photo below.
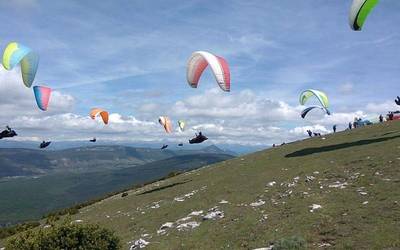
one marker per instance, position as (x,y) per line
(342,191)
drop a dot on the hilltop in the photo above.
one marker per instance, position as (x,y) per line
(342,191)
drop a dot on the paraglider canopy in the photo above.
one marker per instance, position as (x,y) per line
(319,95)
(16,53)
(42,96)
(98,111)
(164,147)
(166,123)
(359,12)
(306,110)
(93,140)
(181,125)
(198,62)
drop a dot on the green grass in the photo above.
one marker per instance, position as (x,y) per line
(366,159)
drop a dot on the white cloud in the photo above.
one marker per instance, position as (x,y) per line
(382,108)
(18,100)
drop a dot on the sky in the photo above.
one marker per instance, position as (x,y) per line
(129,57)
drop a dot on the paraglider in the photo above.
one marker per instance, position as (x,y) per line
(321,97)
(181,125)
(16,53)
(44,144)
(164,146)
(166,123)
(98,111)
(198,62)
(93,140)
(42,96)
(7,133)
(198,139)
(180,145)
(306,110)
(359,12)
(397,100)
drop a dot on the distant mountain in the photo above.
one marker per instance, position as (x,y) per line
(30,162)
(61,190)
(60,145)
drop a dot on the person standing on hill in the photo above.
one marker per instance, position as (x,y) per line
(309,133)
(350,126)
(380,118)
(334,128)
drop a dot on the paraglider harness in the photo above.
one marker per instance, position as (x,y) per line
(397,100)
(44,144)
(7,133)
(198,139)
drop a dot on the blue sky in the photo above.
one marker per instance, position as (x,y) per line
(130,58)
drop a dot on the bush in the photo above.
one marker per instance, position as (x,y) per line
(8,231)
(65,236)
(291,243)
(124,194)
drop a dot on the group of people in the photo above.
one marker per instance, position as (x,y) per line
(310,133)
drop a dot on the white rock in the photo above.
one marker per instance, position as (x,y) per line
(223,202)
(257,203)
(167,225)
(183,219)
(188,225)
(156,205)
(271,184)
(338,185)
(309,178)
(315,207)
(265,248)
(214,214)
(196,213)
(365,203)
(138,244)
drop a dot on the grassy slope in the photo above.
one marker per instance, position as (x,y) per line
(367,159)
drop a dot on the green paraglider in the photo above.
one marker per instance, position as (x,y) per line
(359,12)
(321,97)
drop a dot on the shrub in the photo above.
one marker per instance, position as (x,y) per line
(8,231)
(65,236)
(124,194)
(291,243)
